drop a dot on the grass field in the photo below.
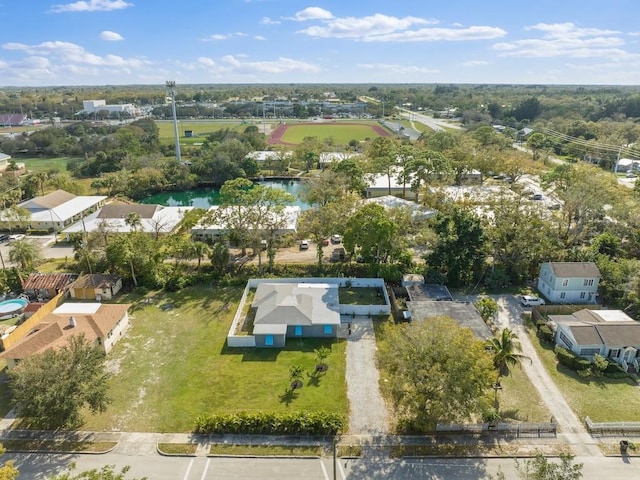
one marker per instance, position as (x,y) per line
(202,129)
(45,164)
(602,399)
(341,134)
(173,365)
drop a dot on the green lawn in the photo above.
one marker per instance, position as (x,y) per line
(519,400)
(602,399)
(361,296)
(341,134)
(44,164)
(173,365)
(201,129)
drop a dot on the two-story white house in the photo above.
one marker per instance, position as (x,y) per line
(569,282)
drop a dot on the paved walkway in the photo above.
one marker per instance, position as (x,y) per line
(368,412)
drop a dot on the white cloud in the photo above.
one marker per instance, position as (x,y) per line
(281,65)
(363,27)
(268,21)
(565,40)
(260,37)
(394,68)
(385,28)
(224,36)
(312,13)
(475,63)
(110,36)
(68,56)
(91,6)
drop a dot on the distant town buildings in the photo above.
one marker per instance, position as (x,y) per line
(94,106)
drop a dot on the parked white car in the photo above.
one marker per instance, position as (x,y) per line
(16,237)
(531,300)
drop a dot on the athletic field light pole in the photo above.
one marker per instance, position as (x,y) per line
(171,85)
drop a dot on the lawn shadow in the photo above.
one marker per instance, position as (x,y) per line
(314,378)
(288,396)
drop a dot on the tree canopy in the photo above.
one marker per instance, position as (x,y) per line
(428,379)
(80,381)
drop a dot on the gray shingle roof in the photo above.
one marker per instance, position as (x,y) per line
(575,269)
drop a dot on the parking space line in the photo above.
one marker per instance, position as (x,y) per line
(206,468)
(186,474)
(324,470)
(342,473)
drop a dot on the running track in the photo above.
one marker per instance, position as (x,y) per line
(276,136)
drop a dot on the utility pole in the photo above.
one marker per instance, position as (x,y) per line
(171,85)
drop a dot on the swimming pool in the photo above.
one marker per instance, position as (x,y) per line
(10,307)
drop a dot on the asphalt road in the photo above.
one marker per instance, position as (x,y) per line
(39,467)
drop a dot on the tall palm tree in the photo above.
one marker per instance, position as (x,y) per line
(133,220)
(24,253)
(506,350)
(200,250)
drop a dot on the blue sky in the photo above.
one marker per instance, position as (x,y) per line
(98,42)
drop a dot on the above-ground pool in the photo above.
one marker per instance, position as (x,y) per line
(13,306)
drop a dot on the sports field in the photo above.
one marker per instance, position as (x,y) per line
(200,128)
(341,133)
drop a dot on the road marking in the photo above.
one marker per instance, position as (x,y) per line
(186,474)
(324,470)
(206,467)
(342,474)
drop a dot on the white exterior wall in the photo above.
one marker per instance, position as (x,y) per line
(116,333)
(249,340)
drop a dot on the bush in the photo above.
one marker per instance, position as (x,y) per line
(545,333)
(566,357)
(585,373)
(582,363)
(265,423)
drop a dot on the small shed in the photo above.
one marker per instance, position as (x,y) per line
(47,285)
(189,134)
(411,279)
(96,286)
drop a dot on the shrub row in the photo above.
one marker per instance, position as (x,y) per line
(570,359)
(264,423)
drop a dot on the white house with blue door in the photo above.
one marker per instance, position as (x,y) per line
(569,282)
(610,333)
(294,310)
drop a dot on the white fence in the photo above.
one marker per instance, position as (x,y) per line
(611,428)
(516,429)
(234,340)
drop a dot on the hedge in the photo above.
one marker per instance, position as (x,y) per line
(566,357)
(263,423)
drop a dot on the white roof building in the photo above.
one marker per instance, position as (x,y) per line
(418,212)
(331,157)
(156,219)
(56,210)
(262,156)
(211,231)
(92,106)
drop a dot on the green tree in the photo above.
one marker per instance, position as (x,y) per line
(24,253)
(487,308)
(382,157)
(429,381)
(8,471)
(372,231)
(295,376)
(540,468)
(219,256)
(200,250)
(505,350)
(133,220)
(536,142)
(459,250)
(318,224)
(80,381)
(108,472)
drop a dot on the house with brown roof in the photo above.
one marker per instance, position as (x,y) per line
(101,324)
(569,282)
(54,211)
(154,219)
(47,285)
(610,333)
(96,286)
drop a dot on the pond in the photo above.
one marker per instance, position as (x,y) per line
(206,197)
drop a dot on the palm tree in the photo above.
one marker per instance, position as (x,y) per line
(506,350)
(24,253)
(200,250)
(134,220)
